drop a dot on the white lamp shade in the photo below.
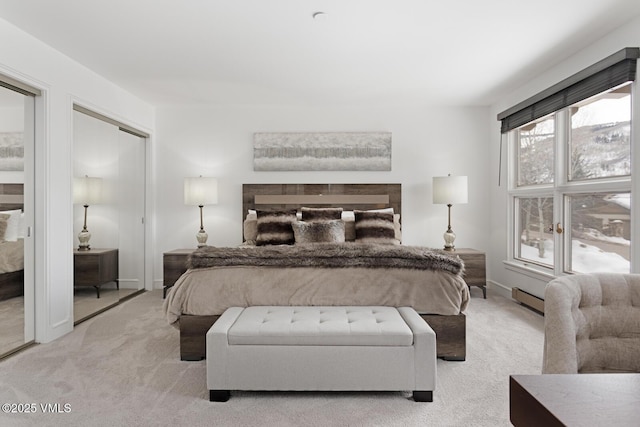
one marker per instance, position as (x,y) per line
(200,191)
(449,190)
(87,190)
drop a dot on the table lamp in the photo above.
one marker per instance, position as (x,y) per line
(201,191)
(449,190)
(86,191)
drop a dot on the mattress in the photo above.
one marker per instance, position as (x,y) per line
(211,290)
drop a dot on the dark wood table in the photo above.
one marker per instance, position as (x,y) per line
(475,270)
(174,264)
(575,400)
(95,267)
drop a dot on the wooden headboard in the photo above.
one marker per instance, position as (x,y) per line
(346,196)
(11,196)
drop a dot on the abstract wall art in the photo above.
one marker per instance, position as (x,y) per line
(322,151)
(11,151)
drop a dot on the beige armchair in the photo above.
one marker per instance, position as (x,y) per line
(592,324)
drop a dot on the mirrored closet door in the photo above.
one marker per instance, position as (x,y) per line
(109,206)
(17,109)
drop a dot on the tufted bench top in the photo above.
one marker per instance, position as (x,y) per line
(323,326)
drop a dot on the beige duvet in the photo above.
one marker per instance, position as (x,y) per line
(11,256)
(210,291)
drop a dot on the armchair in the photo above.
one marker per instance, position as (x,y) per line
(592,324)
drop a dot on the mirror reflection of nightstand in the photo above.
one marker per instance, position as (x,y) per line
(95,267)
(174,264)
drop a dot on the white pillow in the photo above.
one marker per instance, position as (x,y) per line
(252,214)
(21,226)
(13,225)
(348,216)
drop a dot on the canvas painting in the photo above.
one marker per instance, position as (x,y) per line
(11,151)
(331,151)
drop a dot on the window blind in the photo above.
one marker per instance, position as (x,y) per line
(606,74)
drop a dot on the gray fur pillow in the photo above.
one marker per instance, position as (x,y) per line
(375,227)
(274,227)
(331,231)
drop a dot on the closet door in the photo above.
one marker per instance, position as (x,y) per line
(131,201)
(116,157)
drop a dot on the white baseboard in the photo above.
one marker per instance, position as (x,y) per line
(503,290)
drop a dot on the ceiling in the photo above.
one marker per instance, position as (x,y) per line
(273,52)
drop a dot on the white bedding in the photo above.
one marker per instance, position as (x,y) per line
(11,256)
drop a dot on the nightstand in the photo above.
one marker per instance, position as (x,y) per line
(95,267)
(475,271)
(174,264)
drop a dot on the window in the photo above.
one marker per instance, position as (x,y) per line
(600,139)
(536,143)
(600,233)
(570,171)
(591,196)
(534,216)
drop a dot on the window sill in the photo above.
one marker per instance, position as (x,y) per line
(528,270)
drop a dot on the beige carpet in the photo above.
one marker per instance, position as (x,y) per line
(122,368)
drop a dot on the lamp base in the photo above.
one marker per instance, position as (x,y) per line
(449,238)
(202,237)
(84,236)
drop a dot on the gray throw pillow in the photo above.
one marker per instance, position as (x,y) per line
(375,227)
(319,231)
(274,227)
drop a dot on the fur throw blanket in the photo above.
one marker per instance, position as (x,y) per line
(328,255)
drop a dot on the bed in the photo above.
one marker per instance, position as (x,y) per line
(364,272)
(11,250)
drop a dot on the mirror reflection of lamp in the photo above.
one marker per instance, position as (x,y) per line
(86,191)
(201,191)
(449,190)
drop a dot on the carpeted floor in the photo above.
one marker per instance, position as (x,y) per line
(122,368)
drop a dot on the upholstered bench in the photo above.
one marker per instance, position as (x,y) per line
(321,348)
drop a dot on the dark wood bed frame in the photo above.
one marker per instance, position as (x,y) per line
(11,284)
(450,330)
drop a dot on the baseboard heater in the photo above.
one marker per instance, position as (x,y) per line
(527,299)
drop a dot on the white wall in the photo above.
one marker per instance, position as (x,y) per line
(498,273)
(63,82)
(12,118)
(217,141)
(97,154)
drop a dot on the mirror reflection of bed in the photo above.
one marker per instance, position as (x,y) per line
(11,268)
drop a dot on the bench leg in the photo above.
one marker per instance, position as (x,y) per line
(219,395)
(423,396)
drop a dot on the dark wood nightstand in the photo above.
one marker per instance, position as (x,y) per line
(475,270)
(95,267)
(174,264)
